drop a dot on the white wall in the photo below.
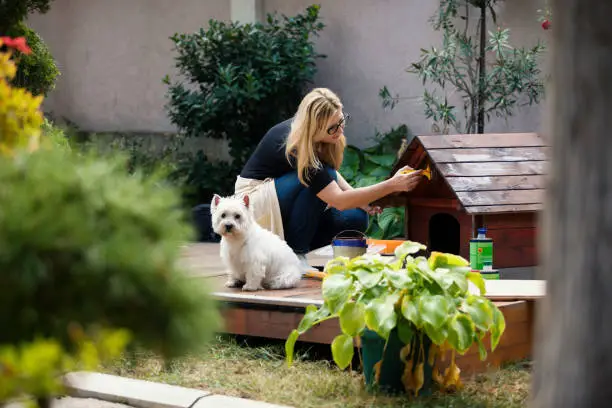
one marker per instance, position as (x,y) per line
(114,53)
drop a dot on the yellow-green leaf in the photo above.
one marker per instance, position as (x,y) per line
(498,327)
(352,318)
(336,291)
(367,278)
(477,279)
(410,311)
(480,311)
(342,350)
(408,248)
(290,346)
(380,315)
(461,333)
(434,310)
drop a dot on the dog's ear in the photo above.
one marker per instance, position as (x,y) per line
(215,202)
(246,200)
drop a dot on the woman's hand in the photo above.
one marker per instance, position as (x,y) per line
(372,210)
(405,182)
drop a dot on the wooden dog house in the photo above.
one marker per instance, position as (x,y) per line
(491,180)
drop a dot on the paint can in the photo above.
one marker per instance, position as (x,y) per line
(349,243)
(481,251)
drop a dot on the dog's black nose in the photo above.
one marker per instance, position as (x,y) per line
(228,227)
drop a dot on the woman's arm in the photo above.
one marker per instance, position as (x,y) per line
(335,196)
(344,185)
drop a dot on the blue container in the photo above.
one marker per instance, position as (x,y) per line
(350,246)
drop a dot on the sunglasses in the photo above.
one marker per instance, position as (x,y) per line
(333,129)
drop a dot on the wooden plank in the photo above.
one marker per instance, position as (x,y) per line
(513,289)
(509,221)
(502,209)
(497,183)
(492,169)
(506,197)
(489,154)
(514,237)
(515,257)
(435,203)
(485,140)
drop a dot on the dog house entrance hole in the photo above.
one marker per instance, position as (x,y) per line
(444,234)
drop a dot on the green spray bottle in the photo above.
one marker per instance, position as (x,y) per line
(481,251)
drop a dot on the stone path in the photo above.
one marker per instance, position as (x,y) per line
(98,389)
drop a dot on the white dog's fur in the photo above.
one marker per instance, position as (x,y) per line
(255,257)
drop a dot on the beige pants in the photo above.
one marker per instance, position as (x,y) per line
(263,202)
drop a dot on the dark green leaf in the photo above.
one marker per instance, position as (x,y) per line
(405,331)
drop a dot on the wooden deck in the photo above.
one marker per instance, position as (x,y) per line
(273,314)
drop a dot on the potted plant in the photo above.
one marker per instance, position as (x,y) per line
(406,312)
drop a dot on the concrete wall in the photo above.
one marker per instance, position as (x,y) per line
(113,54)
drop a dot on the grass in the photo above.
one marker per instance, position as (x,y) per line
(250,369)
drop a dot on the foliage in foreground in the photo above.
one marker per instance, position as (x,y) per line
(88,255)
(84,247)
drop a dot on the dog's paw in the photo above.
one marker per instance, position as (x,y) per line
(251,288)
(233,283)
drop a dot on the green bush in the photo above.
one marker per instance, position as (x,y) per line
(15,11)
(241,79)
(362,168)
(84,244)
(38,71)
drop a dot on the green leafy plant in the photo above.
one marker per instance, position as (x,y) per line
(85,248)
(364,167)
(490,77)
(14,11)
(413,297)
(240,80)
(37,72)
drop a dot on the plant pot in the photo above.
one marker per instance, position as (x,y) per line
(392,367)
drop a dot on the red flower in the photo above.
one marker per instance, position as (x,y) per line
(546,24)
(18,43)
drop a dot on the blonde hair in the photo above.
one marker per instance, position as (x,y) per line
(310,120)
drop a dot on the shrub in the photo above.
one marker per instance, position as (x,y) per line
(241,79)
(83,244)
(15,11)
(88,256)
(37,71)
(20,118)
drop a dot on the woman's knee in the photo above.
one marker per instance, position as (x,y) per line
(356,219)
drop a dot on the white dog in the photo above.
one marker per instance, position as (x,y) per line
(255,257)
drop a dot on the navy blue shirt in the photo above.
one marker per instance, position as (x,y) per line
(269,160)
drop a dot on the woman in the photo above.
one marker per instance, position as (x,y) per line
(294,184)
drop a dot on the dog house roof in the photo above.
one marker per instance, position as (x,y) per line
(489,173)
